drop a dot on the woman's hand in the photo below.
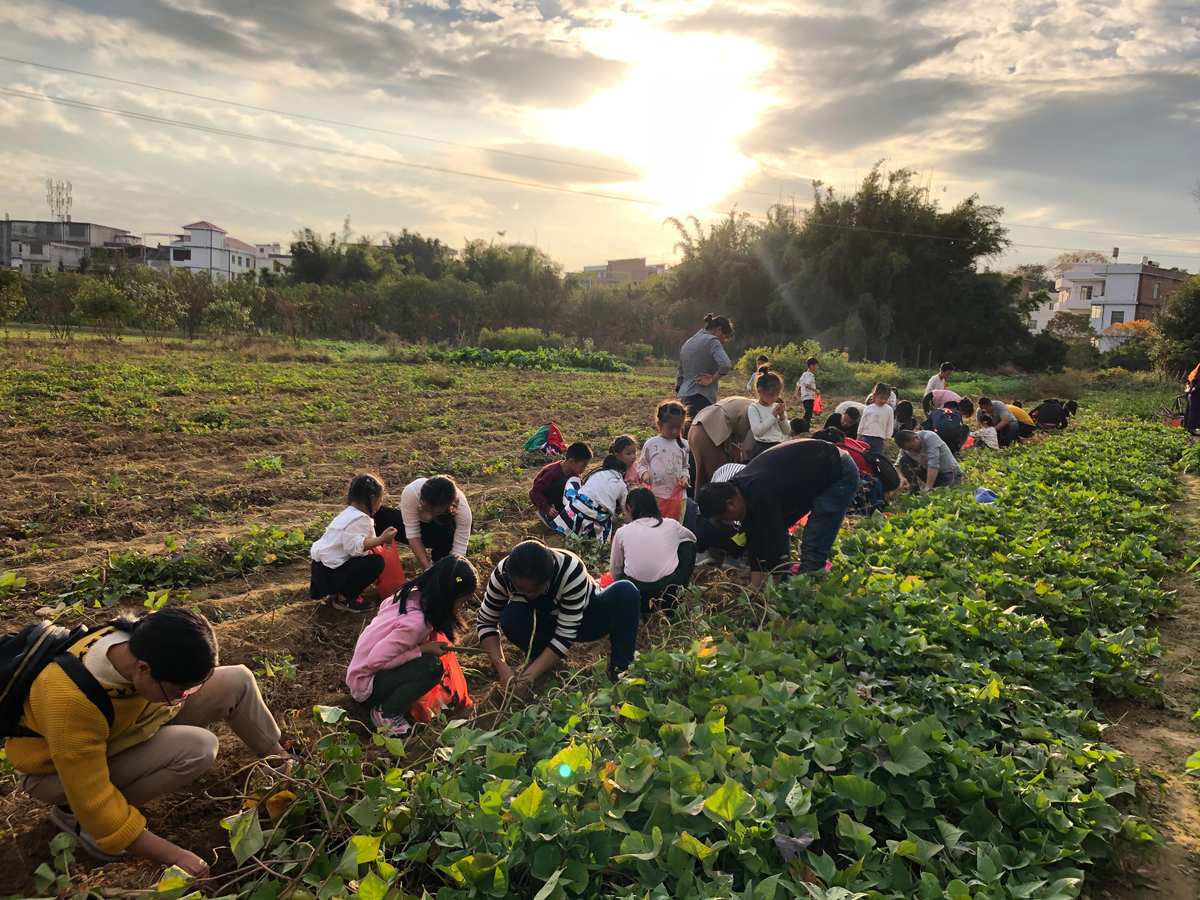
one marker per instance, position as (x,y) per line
(435,648)
(706,378)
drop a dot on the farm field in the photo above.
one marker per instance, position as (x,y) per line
(924,722)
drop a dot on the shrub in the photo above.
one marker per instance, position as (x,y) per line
(637,352)
(104,305)
(226,316)
(1065,385)
(835,374)
(521,339)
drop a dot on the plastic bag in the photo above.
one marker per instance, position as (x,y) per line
(450,691)
(817,405)
(393,575)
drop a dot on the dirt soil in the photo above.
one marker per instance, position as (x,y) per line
(1161,739)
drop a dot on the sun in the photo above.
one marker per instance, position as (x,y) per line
(678,115)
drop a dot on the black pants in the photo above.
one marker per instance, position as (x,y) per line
(808,411)
(666,589)
(348,580)
(437,536)
(613,613)
(396,690)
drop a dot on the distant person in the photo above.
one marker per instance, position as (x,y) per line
(664,463)
(546,493)
(768,415)
(1191,417)
(1007,429)
(877,476)
(850,404)
(397,660)
(940,380)
(939,398)
(931,457)
(656,554)
(759,361)
(947,422)
(702,363)
(851,416)
(775,491)
(892,399)
(434,519)
(985,434)
(343,565)
(1052,414)
(159,676)
(1026,424)
(720,434)
(807,391)
(905,417)
(875,425)
(544,601)
(798,427)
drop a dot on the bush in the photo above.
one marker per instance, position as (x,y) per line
(1133,355)
(521,339)
(638,352)
(834,373)
(1064,385)
(104,305)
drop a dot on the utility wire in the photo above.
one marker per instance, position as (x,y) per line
(317,148)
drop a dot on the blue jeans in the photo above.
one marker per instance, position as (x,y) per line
(875,443)
(947,478)
(828,510)
(1009,432)
(614,612)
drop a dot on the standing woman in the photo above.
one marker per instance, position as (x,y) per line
(434,519)
(1191,419)
(702,362)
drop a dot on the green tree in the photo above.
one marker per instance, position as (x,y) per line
(226,317)
(1064,261)
(1177,346)
(103,304)
(1075,330)
(157,305)
(195,292)
(419,255)
(12,296)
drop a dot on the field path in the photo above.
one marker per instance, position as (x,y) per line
(1161,739)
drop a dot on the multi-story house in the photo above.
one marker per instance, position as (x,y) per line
(36,246)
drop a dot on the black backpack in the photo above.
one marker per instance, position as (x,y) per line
(950,428)
(1051,414)
(24,654)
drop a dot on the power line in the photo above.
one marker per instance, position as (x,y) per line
(317,148)
(406,135)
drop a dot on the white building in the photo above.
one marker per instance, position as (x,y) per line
(208,248)
(272,258)
(1109,294)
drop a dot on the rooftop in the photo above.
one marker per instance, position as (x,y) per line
(203,226)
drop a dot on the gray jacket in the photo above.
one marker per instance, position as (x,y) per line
(701,354)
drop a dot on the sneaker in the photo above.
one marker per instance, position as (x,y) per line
(389,726)
(705,559)
(64,820)
(358,605)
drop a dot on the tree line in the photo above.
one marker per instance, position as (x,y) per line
(884,273)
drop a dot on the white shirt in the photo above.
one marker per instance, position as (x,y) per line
(807,386)
(343,538)
(891,400)
(764,424)
(726,472)
(987,437)
(663,463)
(849,404)
(414,515)
(935,383)
(877,421)
(646,549)
(608,488)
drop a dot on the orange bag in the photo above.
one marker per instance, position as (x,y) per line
(605,580)
(817,405)
(672,507)
(450,691)
(393,570)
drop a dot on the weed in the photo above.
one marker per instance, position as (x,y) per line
(270,464)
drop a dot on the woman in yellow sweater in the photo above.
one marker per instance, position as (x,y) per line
(161,674)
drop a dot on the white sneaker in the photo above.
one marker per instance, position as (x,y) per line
(65,820)
(705,559)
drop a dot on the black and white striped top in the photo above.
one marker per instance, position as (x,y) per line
(570,592)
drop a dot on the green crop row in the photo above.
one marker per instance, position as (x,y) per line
(918,724)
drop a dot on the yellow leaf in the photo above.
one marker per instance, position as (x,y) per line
(277,804)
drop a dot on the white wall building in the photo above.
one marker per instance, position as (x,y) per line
(272,258)
(210,249)
(1109,294)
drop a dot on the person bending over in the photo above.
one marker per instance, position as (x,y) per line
(546,493)
(656,554)
(160,676)
(929,453)
(343,565)
(544,600)
(434,519)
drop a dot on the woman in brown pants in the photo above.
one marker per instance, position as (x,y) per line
(716,434)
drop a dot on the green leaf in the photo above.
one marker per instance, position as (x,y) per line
(633,713)
(551,883)
(858,790)
(245,834)
(329,715)
(572,761)
(907,757)
(990,691)
(694,846)
(916,849)
(502,764)
(528,803)
(858,834)
(765,889)
(372,887)
(730,802)
(172,879)
(635,846)
(1193,762)
(366,848)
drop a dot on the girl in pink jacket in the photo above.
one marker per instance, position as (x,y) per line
(396,662)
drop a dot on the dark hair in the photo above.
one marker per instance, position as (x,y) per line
(812,361)
(714,497)
(830,434)
(440,490)
(852,412)
(364,489)
(177,644)
(530,559)
(642,504)
(833,420)
(985,401)
(1018,404)
(579,451)
(669,409)
(441,586)
(952,404)
(881,388)
(905,436)
(621,442)
(966,407)
(946,367)
(927,402)
(613,463)
(799,425)
(1071,407)
(768,380)
(762,358)
(984,419)
(904,412)
(721,323)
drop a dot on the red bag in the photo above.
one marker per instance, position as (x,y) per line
(817,405)
(450,691)
(672,507)
(393,570)
(605,580)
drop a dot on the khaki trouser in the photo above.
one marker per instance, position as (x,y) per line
(707,455)
(182,751)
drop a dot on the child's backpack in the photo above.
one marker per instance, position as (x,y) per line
(949,427)
(24,654)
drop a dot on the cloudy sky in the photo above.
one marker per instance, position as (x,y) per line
(1081,115)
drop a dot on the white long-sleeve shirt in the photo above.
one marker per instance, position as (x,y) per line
(414,515)
(343,538)
(877,421)
(764,424)
(663,464)
(608,488)
(935,383)
(647,549)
